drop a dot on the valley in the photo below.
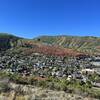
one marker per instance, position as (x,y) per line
(54,63)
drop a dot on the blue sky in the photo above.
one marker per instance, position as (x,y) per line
(31,18)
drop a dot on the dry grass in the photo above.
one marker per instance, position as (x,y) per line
(34,93)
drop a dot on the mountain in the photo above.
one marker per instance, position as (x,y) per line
(87,44)
(52,45)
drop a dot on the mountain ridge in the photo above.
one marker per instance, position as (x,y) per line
(87,44)
(83,44)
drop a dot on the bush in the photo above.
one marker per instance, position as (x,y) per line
(4,87)
(42,84)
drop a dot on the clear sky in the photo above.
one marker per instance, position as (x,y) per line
(31,18)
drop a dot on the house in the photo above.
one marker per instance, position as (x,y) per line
(59,73)
(88,71)
(84,79)
(96,83)
(69,77)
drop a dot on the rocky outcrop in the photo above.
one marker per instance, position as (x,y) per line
(7,41)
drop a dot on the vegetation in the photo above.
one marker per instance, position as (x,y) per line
(62,84)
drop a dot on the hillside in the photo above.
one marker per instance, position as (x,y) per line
(7,41)
(87,44)
(52,45)
(29,46)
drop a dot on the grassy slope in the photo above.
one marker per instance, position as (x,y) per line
(84,44)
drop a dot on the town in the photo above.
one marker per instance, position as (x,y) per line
(40,65)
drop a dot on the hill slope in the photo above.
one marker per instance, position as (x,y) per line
(86,44)
(7,41)
(52,45)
